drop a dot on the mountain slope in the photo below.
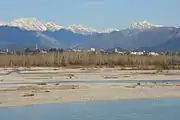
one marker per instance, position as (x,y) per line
(63,38)
(13,37)
(172,43)
(67,38)
(133,39)
(52,35)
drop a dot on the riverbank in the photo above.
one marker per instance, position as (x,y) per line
(45,94)
(14,93)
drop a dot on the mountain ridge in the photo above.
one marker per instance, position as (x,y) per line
(146,36)
(33,24)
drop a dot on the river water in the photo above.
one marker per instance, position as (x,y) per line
(145,109)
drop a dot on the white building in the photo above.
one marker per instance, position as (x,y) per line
(153,53)
(92,49)
(115,50)
(137,53)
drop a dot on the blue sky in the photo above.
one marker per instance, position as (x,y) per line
(94,13)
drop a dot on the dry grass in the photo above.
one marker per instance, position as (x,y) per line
(47,87)
(69,59)
(26,88)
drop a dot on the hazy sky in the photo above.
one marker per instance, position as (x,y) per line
(94,13)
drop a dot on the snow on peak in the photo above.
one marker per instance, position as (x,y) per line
(2,23)
(33,24)
(51,26)
(88,30)
(109,30)
(29,24)
(81,29)
(143,25)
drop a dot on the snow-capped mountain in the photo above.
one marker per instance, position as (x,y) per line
(28,24)
(88,30)
(30,31)
(33,24)
(143,25)
(81,29)
(109,30)
(2,23)
(51,26)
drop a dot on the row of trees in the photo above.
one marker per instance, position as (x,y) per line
(59,59)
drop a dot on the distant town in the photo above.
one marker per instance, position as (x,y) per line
(113,50)
(29,50)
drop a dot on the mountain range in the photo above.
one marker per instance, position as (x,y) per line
(140,36)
